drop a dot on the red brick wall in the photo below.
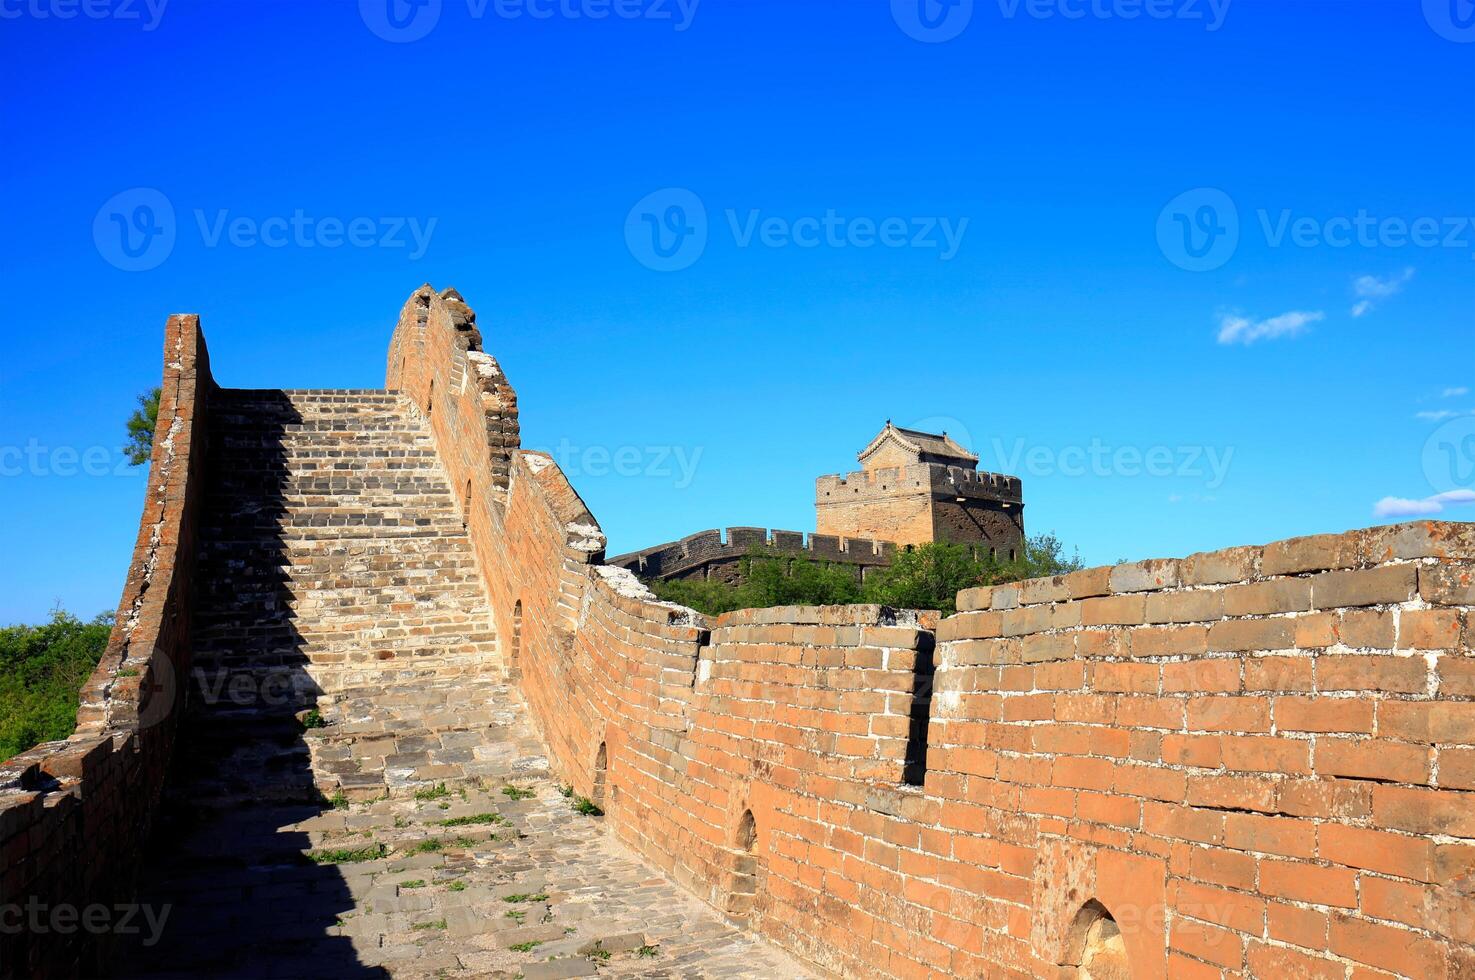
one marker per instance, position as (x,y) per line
(74,814)
(1273,743)
(1259,762)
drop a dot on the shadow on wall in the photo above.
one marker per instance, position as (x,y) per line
(1099,949)
(239,896)
(744,896)
(514,658)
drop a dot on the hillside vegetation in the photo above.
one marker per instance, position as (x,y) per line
(926,577)
(42,670)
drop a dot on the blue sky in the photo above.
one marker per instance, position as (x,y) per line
(1159,266)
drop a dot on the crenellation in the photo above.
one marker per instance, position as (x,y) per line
(715,554)
(1255,741)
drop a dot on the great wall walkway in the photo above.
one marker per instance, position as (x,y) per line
(335,571)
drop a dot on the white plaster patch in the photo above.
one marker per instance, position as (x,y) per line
(485,366)
(585,537)
(623,581)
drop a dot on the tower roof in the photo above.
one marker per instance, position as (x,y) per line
(924,447)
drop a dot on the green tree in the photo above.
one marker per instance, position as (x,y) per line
(1043,557)
(929,576)
(787,581)
(713,598)
(42,670)
(767,580)
(141,426)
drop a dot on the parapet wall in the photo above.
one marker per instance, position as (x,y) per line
(1273,743)
(1256,762)
(75,814)
(924,502)
(933,477)
(707,555)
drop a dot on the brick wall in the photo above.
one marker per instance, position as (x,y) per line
(923,502)
(1273,743)
(75,814)
(1256,762)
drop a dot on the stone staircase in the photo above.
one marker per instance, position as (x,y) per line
(357,791)
(331,541)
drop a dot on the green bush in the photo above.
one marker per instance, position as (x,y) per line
(42,670)
(926,577)
(768,580)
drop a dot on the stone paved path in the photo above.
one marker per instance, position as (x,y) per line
(358,793)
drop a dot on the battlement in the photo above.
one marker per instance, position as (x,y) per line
(930,477)
(1257,762)
(916,503)
(709,554)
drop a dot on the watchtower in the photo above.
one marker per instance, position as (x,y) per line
(916,487)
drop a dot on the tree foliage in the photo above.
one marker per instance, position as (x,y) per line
(768,580)
(926,577)
(141,425)
(42,670)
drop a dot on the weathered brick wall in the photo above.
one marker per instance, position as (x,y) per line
(75,814)
(1257,762)
(923,502)
(1258,757)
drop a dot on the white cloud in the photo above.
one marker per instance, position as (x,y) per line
(1404,507)
(1235,329)
(1371,288)
(1454,392)
(1438,416)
